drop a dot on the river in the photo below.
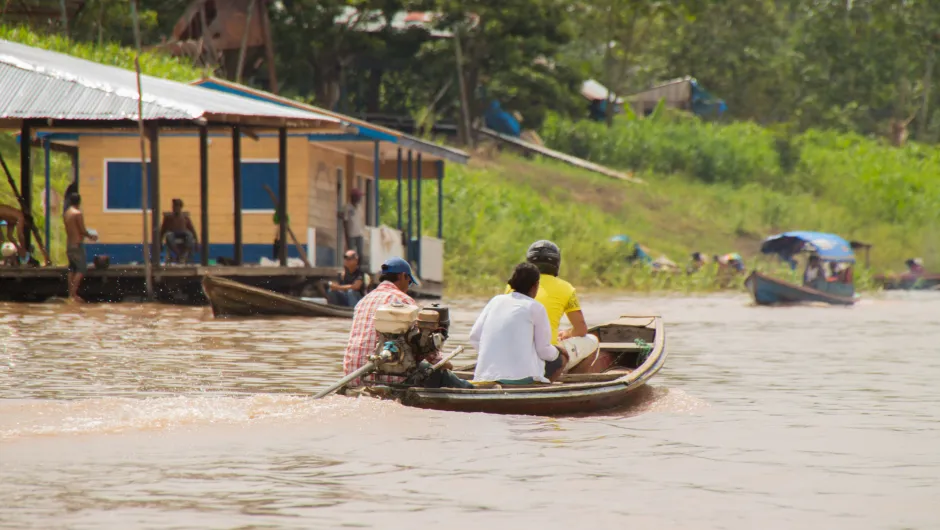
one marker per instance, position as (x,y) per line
(123,416)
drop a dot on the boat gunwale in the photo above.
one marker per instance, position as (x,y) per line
(632,379)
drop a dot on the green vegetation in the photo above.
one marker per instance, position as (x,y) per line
(495,208)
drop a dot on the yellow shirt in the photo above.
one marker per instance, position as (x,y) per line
(559,299)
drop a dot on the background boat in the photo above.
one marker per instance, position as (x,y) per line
(231,298)
(767,290)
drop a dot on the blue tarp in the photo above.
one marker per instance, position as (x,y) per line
(501,121)
(704,103)
(638,252)
(829,247)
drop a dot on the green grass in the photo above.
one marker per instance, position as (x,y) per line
(495,208)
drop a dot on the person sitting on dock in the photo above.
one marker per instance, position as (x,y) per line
(557,295)
(814,271)
(514,337)
(915,266)
(179,233)
(394,280)
(15,222)
(351,287)
(76,233)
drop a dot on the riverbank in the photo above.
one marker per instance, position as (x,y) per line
(496,206)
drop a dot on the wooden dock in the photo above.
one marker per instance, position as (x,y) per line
(172,284)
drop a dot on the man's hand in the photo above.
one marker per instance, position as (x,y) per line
(447,366)
(564,334)
(564,355)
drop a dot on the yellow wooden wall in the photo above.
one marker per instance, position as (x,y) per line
(179,178)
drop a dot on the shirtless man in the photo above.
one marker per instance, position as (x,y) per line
(75,246)
(179,232)
(15,222)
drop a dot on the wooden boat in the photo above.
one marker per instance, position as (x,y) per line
(767,290)
(231,298)
(927,282)
(632,350)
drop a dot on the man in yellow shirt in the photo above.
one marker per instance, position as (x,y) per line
(557,295)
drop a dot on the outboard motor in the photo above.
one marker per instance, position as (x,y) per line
(409,335)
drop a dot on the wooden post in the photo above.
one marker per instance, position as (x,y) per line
(204,193)
(145,249)
(46,145)
(65,20)
(155,217)
(282,190)
(418,216)
(237,187)
(440,199)
(376,173)
(464,101)
(241,49)
(410,226)
(26,183)
(268,48)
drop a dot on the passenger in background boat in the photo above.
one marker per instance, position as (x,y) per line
(514,337)
(814,271)
(915,266)
(179,234)
(352,219)
(731,261)
(557,295)
(394,280)
(351,287)
(699,260)
(789,254)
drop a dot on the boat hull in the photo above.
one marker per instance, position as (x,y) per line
(767,290)
(229,298)
(585,392)
(923,282)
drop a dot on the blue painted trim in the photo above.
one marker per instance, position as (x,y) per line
(55,136)
(127,253)
(337,137)
(399,189)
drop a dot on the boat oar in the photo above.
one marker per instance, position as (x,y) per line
(366,368)
(371,367)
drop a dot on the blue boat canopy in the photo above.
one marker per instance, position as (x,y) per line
(829,247)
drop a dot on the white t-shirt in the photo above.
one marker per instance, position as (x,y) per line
(513,338)
(354,220)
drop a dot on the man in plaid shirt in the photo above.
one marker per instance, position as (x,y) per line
(395,278)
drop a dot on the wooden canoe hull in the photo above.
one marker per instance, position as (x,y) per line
(922,282)
(617,390)
(767,290)
(231,298)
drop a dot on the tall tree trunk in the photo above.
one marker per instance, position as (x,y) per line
(374,91)
(924,109)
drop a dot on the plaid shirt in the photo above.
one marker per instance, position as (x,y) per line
(362,336)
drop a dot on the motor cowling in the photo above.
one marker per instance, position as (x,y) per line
(407,335)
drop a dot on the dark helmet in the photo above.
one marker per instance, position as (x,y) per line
(545,255)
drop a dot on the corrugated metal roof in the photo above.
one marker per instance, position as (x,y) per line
(36,83)
(406,141)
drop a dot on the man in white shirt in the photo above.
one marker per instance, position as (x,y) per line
(513,335)
(353,219)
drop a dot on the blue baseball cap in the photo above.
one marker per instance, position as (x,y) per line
(396,265)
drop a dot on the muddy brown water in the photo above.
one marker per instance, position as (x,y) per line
(120,416)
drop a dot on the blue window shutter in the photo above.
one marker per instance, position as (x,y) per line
(123,181)
(254,177)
